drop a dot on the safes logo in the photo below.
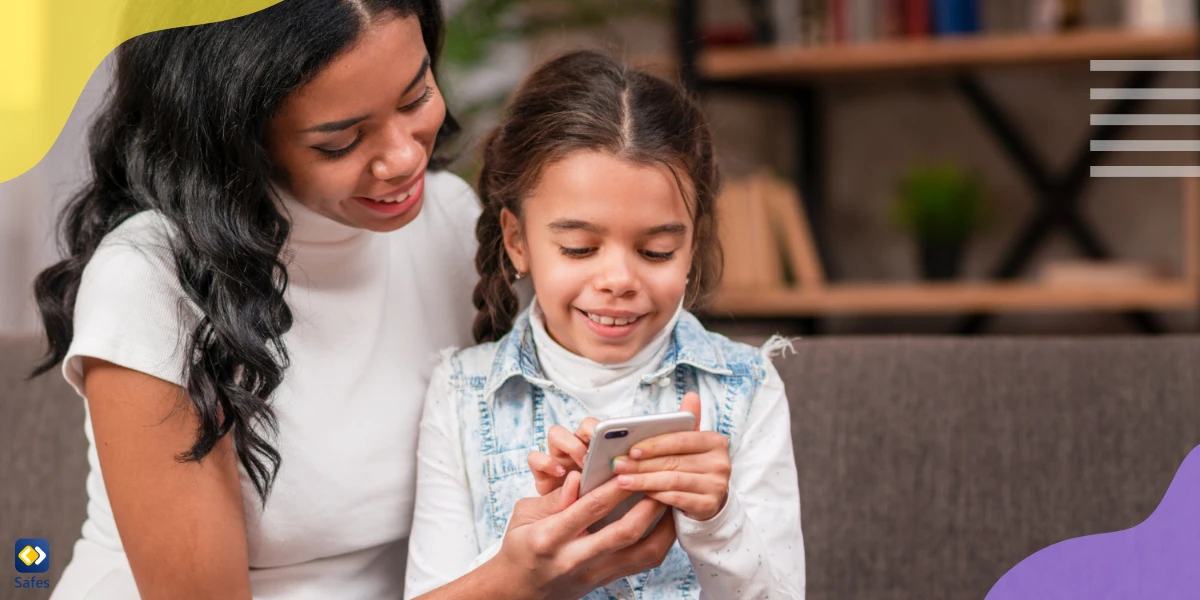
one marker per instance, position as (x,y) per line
(32,555)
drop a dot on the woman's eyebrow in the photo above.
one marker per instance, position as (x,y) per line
(344,124)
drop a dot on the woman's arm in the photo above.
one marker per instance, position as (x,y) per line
(181,523)
(547,554)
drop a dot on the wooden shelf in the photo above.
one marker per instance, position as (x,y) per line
(774,62)
(910,299)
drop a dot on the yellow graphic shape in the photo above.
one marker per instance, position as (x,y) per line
(28,555)
(49,49)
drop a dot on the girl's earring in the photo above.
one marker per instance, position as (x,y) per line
(519,275)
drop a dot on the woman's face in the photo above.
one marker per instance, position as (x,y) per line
(354,142)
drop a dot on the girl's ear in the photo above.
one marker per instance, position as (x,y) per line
(514,242)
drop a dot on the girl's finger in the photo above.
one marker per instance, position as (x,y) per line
(563,443)
(587,429)
(664,481)
(542,463)
(688,442)
(687,463)
(700,507)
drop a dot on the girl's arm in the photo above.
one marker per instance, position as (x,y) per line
(181,523)
(753,547)
(739,520)
(443,543)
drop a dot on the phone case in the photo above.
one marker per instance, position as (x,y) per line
(606,446)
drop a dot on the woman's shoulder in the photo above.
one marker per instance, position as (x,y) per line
(131,308)
(138,248)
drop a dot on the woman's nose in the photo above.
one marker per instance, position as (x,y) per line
(402,155)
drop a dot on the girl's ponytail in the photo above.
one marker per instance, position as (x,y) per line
(494,296)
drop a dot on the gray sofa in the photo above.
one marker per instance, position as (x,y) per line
(928,467)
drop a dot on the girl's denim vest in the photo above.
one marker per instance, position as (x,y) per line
(506,405)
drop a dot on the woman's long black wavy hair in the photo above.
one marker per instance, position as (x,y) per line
(183,132)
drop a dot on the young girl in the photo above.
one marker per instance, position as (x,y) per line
(599,186)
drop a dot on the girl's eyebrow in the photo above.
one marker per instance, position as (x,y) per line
(675,229)
(344,124)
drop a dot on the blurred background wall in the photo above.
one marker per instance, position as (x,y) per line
(877,128)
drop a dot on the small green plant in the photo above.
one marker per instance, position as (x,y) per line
(940,203)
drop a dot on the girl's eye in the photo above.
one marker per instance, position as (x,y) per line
(576,252)
(419,102)
(658,256)
(340,152)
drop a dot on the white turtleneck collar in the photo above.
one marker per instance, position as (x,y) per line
(606,390)
(311,227)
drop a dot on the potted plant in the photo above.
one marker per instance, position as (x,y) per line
(941,205)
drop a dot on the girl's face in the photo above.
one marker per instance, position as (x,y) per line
(608,244)
(353,143)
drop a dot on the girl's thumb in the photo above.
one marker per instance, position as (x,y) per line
(691,403)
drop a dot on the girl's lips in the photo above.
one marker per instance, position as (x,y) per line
(609,331)
(391,209)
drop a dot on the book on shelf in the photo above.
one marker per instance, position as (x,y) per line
(821,22)
(765,236)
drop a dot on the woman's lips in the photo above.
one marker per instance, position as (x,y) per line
(398,202)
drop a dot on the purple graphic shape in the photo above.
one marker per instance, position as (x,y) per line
(1157,559)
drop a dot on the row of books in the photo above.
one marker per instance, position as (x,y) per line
(765,236)
(819,22)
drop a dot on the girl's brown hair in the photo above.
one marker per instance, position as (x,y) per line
(589,101)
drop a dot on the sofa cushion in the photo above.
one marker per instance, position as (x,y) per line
(930,467)
(43,461)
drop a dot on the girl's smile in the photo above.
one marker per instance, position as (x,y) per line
(611,324)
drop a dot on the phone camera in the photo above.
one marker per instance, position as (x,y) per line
(620,433)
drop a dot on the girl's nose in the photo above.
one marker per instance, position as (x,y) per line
(401,157)
(616,275)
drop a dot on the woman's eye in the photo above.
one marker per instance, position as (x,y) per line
(340,152)
(658,256)
(576,252)
(419,102)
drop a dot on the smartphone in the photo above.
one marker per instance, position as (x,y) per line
(615,437)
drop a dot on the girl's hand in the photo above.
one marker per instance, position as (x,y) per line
(567,452)
(689,471)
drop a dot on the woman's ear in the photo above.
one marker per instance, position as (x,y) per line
(514,241)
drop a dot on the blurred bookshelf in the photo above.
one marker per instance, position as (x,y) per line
(962,52)
(772,270)
(834,40)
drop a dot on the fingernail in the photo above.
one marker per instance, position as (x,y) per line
(560,471)
(624,481)
(635,453)
(618,465)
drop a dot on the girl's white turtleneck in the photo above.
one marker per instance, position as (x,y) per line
(606,390)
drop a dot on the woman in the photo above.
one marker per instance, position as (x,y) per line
(258,280)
